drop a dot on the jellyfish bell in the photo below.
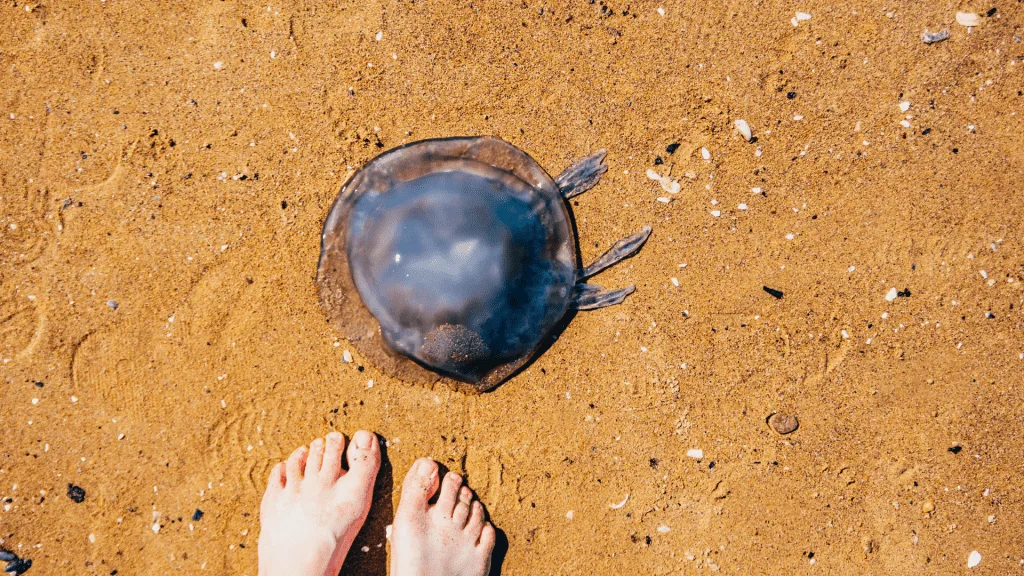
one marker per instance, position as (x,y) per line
(454,259)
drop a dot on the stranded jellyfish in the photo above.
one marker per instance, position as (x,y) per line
(455,259)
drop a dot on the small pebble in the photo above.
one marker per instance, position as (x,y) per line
(968,19)
(695,453)
(716,213)
(891,295)
(346,357)
(76,493)
(742,206)
(112,304)
(777,294)
(705,154)
(904,106)
(974,559)
(197,515)
(783,423)
(928,507)
(744,129)
(933,37)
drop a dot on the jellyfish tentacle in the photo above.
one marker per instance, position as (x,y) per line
(621,250)
(593,296)
(582,176)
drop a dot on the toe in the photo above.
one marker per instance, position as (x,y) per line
(276,480)
(476,521)
(449,494)
(295,466)
(419,486)
(274,484)
(364,456)
(315,458)
(487,538)
(462,507)
(331,468)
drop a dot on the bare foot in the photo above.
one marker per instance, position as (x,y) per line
(450,538)
(313,509)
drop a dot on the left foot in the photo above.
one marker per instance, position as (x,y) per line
(313,509)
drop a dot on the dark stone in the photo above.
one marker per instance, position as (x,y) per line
(790,95)
(76,493)
(197,515)
(775,293)
(671,148)
(956,449)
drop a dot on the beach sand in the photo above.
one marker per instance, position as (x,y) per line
(165,169)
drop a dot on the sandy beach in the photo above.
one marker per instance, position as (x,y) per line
(855,268)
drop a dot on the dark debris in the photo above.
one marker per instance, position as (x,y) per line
(76,493)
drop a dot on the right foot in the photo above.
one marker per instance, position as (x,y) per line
(450,538)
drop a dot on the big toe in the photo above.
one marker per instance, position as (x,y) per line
(419,486)
(363,456)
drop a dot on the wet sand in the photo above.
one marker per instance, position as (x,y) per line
(165,169)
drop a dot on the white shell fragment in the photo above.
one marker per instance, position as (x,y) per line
(695,453)
(933,37)
(705,154)
(802,16)
(974,559)
(744,129)
(620,504)
(968,19)
(904,106)
(667,184)
(890,295)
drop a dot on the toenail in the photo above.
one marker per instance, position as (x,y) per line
(363,440)
(425,468)
(334,435)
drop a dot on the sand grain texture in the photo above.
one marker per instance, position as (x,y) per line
(160,222)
